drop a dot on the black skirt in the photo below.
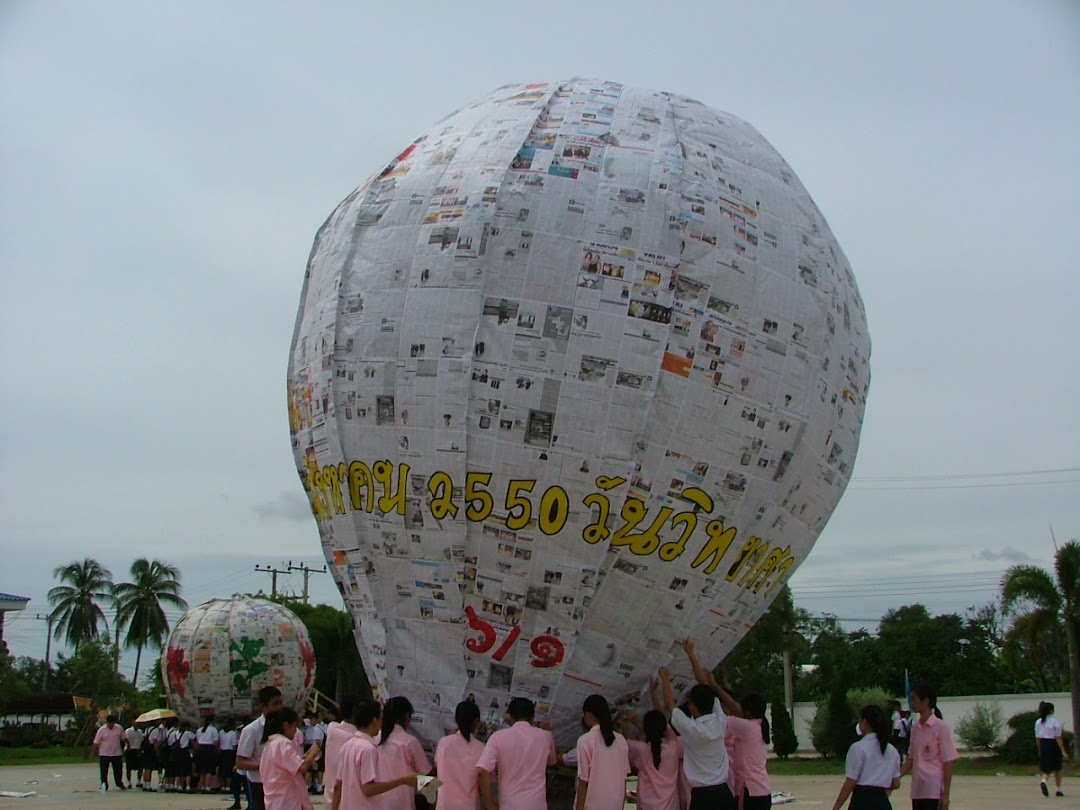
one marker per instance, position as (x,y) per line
(1049,756)
(868,797)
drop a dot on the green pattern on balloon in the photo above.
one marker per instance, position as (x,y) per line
(246,667)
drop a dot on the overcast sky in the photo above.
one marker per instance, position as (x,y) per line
(164,168)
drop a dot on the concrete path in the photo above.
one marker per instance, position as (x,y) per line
(67,787)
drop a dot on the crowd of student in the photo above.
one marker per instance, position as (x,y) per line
(709,752)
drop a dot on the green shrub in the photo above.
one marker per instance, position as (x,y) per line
(1020,747)
(980,728)
(784,741)
(829,738)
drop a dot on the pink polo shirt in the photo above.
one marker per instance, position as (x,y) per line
(401,754)
(455,763)
(109,741)
(521,754)
(336,736)
(658,788)
(931,747)
(283,784)
(358,764)
(605,768)
(751,754)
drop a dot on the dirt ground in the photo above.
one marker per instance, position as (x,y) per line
(67,787)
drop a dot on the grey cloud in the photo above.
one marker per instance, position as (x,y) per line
(1006,554)
(288,506)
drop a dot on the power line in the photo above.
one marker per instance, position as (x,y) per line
(854,488)
(970,475)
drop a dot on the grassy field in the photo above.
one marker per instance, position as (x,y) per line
(43,756)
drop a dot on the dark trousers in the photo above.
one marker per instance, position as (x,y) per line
(239,783)
(924,804)
(713,797)
(117,769)
(255,796)
(756,802)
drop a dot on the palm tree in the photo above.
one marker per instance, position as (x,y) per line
(76,605)
(1051,601)
(139,605)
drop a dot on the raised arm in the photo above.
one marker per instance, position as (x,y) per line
(654,693)
(731,706)
(699,671)
(665,684)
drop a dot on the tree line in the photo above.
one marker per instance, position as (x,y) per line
(1025,642)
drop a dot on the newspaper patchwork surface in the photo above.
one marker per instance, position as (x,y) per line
(221,653)
(578,373)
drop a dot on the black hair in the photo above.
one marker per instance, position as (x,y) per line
(702,697)
(598,707)
(880,723)
(397,712)
(754,706)
(207,719)
(926,691)
(655,726)
(521,709)
(1045,710)
(268,693)
(275,722)
(348,707)
(111,718)
(465,715)
(366,711)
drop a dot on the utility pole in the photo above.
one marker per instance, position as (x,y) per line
(273,572)
(45,617)
(307,573)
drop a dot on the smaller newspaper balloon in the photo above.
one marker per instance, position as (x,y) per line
(221,653)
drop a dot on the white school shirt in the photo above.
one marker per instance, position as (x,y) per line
(251,745)
(135,738)
(207,736)
(868,766)
(1048,730)
(705,759)
(227,740)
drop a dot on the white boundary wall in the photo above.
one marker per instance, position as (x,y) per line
(954,708)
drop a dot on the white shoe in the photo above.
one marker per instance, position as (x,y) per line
(103,788)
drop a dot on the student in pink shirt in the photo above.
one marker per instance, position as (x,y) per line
(281,766)
(658,762)
(521,755)
(109,741)
(603,759)
(456,756)
(932,753)
(356,784)
(400,753)
(336,736)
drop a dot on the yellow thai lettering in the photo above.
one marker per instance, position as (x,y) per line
(633,512)
(389,501)
(333,475)
(782,570)
(480,501)
(360,478)
(673,549)
(554,510)
(720,540)
(761,574)
(515,499)
(597,530)
(749,546)
(441,487)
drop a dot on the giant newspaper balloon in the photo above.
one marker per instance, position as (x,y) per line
(221,653)
(579,373)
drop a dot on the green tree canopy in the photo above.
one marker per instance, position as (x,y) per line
(76,604)
(139,605)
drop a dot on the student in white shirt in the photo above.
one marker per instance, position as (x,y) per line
(1051,746)
(872,768)
(705,759)
(249,749)
(207,738)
